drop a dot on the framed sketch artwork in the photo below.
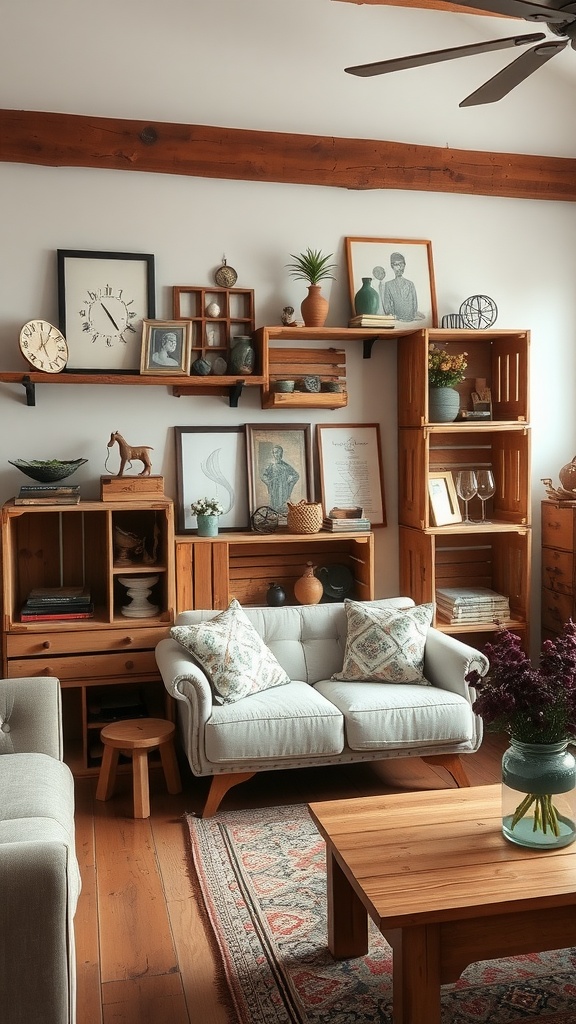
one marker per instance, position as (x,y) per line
(211,463)
(103,298)
(401,274)
(166,346)
(351,469)
(279,466)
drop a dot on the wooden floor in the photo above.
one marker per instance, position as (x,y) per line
(142,952)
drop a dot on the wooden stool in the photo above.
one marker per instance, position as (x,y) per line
(136,738)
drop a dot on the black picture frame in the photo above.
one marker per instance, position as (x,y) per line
(211,462)
(103,298)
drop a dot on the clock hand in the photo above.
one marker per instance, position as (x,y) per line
(110,317)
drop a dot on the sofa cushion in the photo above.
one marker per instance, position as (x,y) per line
(282,723)
(232,654)
(378,717)
(384,645)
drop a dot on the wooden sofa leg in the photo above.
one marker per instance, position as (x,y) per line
(452,764)
(218,789)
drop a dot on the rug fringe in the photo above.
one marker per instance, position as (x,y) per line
(223,990)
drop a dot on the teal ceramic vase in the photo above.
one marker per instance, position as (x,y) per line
(242,357)
(366,299)
(207,526)
(539,795)
(443,405)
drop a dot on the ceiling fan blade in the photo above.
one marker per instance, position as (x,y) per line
(417,60)
(516,72)
(548,11)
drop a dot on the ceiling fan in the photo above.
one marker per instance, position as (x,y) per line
(561,20)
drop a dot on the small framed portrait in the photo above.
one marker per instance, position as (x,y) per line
(166,347)
(444,505)
(400,273)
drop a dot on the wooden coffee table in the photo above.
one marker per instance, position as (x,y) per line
(444,887)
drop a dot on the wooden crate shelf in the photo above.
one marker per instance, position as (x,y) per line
(328,364)
(212,571)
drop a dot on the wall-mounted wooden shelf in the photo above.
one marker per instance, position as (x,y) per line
(328,364)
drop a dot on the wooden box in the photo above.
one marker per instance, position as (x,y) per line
(499,357)
(505,451)
(131,488)
(499,560)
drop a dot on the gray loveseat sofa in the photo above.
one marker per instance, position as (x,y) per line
(316,720)
(39,877)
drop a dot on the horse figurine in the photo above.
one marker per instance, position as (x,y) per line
(128,454)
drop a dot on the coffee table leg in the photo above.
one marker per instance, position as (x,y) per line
(347,917)
(415,975)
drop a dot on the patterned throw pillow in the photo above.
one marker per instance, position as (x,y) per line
(384,644)
(232,654)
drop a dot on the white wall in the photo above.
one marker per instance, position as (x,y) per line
(251,65)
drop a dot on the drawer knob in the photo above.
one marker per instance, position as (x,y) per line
(46,645)
(129,664)
(128,640)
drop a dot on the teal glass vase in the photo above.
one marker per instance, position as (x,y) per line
(207,526)
(366,299)
(539,794)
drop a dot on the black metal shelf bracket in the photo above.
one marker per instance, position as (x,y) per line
(234,394)
(30,389)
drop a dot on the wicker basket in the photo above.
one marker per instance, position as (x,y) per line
(305,517)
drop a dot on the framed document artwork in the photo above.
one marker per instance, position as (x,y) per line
(351,469)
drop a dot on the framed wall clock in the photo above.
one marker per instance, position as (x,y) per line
(103,297)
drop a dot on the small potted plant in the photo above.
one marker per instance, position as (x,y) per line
(312,266)
(445,369)
(207,511)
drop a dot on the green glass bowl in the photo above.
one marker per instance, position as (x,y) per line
(47,471)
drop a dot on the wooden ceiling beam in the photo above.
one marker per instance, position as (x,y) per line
(73,140)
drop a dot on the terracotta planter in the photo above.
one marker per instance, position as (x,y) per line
(314,307)
(308,589)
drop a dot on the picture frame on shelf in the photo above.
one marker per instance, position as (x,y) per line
(351,475)
(444,507)
(211,463)
(103,298)
(279,461)
(401,273)
(166,347)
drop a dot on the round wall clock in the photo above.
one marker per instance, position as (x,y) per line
(43,346)
(225,276)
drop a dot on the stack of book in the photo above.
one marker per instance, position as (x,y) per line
(345,520)
(459,605)
(372,320)
(48,494)
(46,604)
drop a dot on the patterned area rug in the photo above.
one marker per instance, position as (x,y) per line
(262,878)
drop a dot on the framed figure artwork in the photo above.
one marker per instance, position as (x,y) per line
(279,466)
(401,278)
(211,463)
(166,346)
(103,297)
(351,475)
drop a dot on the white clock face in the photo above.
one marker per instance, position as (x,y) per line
(108,315)
(43,346)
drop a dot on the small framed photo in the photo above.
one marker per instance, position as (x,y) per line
(166,347)
(351,475)
(401,274)
(211,463)
(279,466)
(444,505)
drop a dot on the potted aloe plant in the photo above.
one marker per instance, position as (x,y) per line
(313,266)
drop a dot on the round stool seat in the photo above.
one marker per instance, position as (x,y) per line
(136,738)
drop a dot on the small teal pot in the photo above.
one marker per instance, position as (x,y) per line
(443,405)
(539,795)
(207,526)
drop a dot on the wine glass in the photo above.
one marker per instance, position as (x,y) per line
(466,488)
(486,488)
